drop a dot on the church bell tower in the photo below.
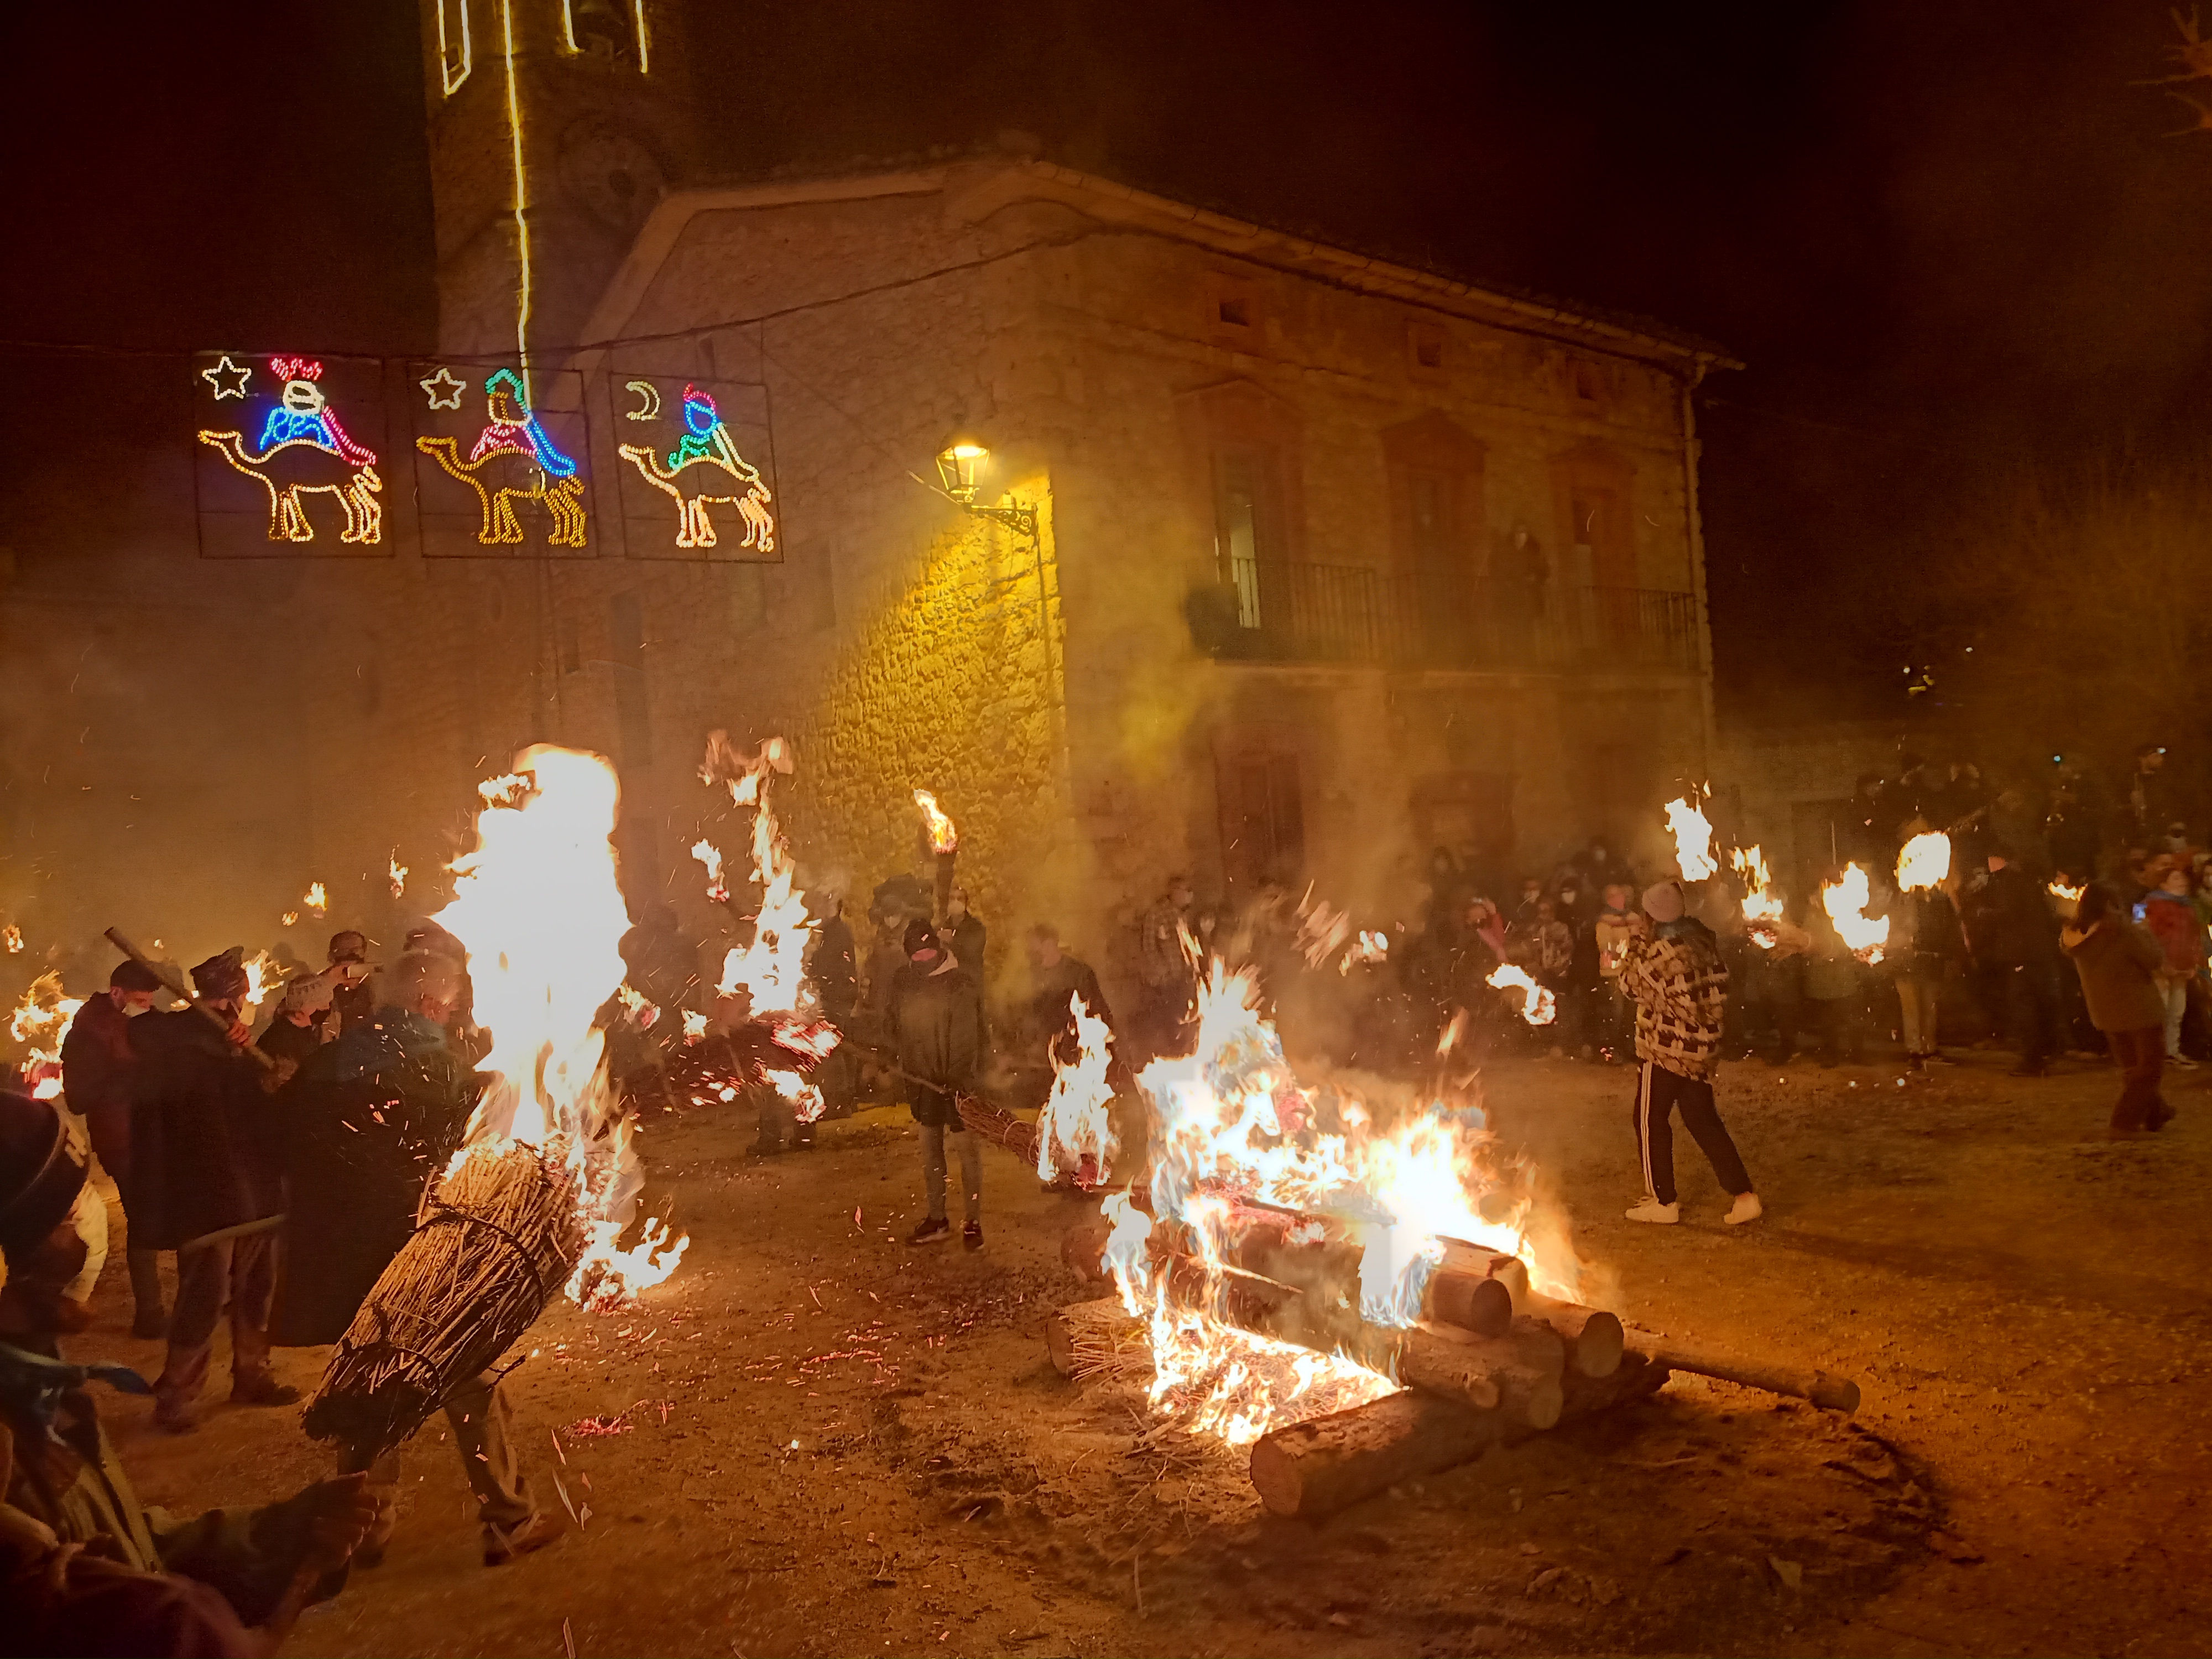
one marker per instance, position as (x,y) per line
(554,127)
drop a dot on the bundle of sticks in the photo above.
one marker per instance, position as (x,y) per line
(1489,1361)
(496,1239)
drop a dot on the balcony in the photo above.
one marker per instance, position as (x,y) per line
(1352,614)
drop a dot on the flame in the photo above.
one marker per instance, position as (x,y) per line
(1846,902)
(1694,839)
(1232,1127)
(316,901)
(1923,862)
(537,907)
(1762,905)
(772,970)
(291,917)
(12,937)
(39,1023)
(695,1025)
(398,872)
(1077,1122)
(2059,889)
(1369,944)
(711,855)
(260,975)
(942,838)
(1538,1005)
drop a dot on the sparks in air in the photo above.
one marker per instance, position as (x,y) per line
(942,838)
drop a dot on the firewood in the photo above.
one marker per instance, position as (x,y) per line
(1091,1336)
(1315,1468)
(1520,1369)
(1593,1337)
(1480,1303)
(1835,1394)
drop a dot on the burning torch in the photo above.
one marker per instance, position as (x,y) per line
(943,842)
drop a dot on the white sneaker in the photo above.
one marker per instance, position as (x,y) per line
(1658,1214)
(1747,1207)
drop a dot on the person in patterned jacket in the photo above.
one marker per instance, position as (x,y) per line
(1672,970)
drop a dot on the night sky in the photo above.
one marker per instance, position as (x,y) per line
(1947,238)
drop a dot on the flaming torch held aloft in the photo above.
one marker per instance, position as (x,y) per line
(1762,905)
(1694,839)
(1923,862)
(944,842)
(1846,902)
(540,1190)
(1538,1005)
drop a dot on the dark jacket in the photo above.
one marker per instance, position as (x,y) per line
(96,1066)
(2115,963)
(1051,1015)
(835,967)
(939,1036)
(369,1119)
(1931,935)
(205,1148)
(2010,923)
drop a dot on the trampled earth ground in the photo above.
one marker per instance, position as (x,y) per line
(826,1443)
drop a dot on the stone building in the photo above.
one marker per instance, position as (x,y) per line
(1327,561)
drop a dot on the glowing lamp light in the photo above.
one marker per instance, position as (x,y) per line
(959,465)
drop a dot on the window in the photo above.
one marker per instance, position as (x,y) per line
(1232,310)
(1588,382)
(1236,313)
(1263,835)
(612,30)
(1426,343)
(1435,474)
(1595,487)
(1237,531)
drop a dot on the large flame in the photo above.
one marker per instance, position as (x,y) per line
(1694,839)
(537,906)
(942,838)
(1232,1127)
(1846,902)
(315,902)
(1923,862)
(771,968)
(1077,1122)
(1538,1005)
(39,1023)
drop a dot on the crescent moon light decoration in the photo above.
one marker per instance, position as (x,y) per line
(651,393)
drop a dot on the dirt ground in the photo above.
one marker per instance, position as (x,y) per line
(828,1443)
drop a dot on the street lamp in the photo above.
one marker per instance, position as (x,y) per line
(959,464)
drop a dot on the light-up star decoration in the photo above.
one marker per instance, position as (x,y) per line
(228,379)
(443,390)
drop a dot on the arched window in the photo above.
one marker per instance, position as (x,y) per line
(614,30)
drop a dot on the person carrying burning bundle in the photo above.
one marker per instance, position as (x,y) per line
(1672,970)
(939,1037)
(370,1118)
(96,1078)
(207,1178)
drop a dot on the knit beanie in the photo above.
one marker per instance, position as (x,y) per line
(1663,902)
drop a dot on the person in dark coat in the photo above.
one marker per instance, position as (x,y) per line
(207,1175)
(2118,961)
(963,934)
(938,1038)
(371,1119)
(87,1568)
(834,965)
(96,1068)
(2015,938)
(1055,980)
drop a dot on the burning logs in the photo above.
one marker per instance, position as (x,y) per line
(1594,1337)
(496,1241)
(1315,1468)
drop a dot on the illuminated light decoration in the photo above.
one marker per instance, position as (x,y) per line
(220,374)
(650,409)
(444,388)
(301,466)
(521,190)
(513,460)
(302,411)
(453,69)
(644,44)
(705,453)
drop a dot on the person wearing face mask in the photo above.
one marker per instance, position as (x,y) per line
(207,1170)
(87,1569)
(315,1008)
(939,1037)
(963,934)
(96,1069)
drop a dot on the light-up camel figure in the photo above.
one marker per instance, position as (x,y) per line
(299,467)
(705,466)
(513,460)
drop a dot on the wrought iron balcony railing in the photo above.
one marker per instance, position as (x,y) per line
(1282,612)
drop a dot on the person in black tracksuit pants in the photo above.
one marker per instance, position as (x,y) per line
(1672,970)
